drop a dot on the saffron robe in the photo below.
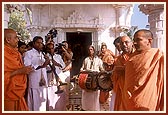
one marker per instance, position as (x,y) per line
(144,81)
(108,60)
(118,79)
(15,86)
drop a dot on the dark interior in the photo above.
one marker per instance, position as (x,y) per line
(78,43)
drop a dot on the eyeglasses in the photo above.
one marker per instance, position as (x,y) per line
(126,42)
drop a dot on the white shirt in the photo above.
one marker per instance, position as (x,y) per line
(96,65)
(35,59)
(58,70)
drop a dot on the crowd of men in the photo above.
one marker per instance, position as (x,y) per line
(37,78)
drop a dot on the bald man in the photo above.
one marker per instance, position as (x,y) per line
(144,76)
(118,77)
(15,79)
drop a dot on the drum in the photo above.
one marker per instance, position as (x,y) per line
(88,81)
(104,81)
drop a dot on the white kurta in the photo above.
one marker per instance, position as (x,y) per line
(90,99)
(56,102)
(37,95)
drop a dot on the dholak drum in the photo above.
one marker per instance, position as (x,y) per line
(104,81)
(88,81)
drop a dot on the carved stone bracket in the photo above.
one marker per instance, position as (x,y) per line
(119,28)
(150,8)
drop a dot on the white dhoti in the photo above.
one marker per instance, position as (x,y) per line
(112,102)
(36,99)
(65,77)
(90,100)
(56,102)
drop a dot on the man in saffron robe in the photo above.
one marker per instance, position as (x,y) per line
(15,78)
(118,71)
(144,76)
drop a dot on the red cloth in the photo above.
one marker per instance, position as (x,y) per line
(104,95)
(14,87)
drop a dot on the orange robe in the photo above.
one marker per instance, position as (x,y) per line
(118,79)
(144,82)
(108,60)
(15,86)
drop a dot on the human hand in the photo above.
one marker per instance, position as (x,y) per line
(56,64)
(63,48)
(26,69)
(47,61)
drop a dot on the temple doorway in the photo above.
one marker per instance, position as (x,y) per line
(78,43)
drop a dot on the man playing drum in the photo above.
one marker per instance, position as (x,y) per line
(90,98)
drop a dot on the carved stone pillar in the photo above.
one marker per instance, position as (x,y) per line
(156,20)
(36,14)
(123,14)
(96,41)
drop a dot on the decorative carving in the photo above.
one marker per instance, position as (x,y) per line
(58,21)
(78,20)
(14,7)
(119,28)
(34,28)
(149,8)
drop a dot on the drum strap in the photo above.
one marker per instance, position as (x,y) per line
(91,64)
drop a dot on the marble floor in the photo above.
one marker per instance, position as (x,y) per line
(75,100)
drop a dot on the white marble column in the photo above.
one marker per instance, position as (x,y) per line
(96,40)
(6,19)
(35,14)
(123,14)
